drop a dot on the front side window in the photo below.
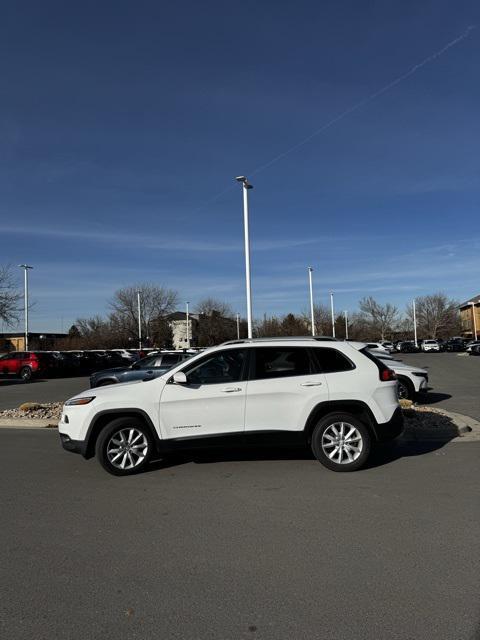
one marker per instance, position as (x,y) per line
(218,368)
(273,362)
(332,360)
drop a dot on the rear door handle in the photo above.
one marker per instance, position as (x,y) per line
(310,384)
(231,389)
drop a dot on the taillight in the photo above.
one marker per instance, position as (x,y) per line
(386,375)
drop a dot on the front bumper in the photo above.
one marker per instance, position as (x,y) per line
(390,430)
(75,446)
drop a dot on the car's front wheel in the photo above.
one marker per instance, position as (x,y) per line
(125,446)
(341,442)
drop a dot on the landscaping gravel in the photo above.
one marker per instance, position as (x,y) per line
(48,411)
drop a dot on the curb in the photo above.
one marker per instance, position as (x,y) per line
(27,423)
(468,429)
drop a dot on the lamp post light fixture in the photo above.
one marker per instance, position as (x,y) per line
(474,320)
(26,268)
(246,186)
(312,314)
(139,312)
(333,314)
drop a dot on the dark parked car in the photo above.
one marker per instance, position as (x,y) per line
(145,369)
(455,344)
(408,346)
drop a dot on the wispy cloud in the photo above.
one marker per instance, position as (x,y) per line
(151,241)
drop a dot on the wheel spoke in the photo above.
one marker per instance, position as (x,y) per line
(340,454)
(116,456)
(349,455)
(350,433)
(122,463)
(130,436)
(332,454)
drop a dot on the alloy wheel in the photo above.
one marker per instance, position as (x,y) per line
(342,443)
(127,448)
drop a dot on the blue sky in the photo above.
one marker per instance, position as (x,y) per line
(123,124)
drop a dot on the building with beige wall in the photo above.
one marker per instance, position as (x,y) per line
(470,317)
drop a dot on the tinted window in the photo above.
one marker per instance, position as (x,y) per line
(220,367)
(273,362)
(170,359)
(331,360)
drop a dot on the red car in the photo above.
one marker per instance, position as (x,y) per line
(20,364)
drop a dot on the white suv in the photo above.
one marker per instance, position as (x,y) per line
(336,397)
(430,345)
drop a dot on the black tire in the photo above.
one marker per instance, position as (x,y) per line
(405,389)
(321,446)
(107,443)
(26,374)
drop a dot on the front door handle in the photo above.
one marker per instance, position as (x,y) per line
(310,384)
(231,389)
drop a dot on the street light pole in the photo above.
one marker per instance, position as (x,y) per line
(139,311)
(333,314)
(346,324)
(26,267)
(238,326)
(312,314)
(415,323)
(248,286)
(474,320)
(188,327)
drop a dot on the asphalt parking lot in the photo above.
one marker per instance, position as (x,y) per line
(454,381)
(260,547)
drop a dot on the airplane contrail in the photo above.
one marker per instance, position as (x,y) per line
(348,111)
(366,100)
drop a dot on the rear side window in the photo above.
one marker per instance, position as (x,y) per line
(169,360)
(332,360)
(273,362)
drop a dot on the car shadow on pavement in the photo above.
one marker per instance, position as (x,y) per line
(381,455)
(432,398)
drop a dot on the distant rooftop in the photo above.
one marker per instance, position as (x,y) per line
(475,299)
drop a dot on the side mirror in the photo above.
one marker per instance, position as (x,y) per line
(179,378)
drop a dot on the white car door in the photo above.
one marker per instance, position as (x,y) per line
(284,386)
(212,402)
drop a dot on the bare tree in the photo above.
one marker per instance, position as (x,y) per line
(322,319)
(9,296)
(156,302)
(381,318)
(209,305)
(436,314)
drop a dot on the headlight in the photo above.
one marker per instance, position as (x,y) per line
(76,401)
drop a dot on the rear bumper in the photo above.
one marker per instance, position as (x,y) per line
(75,446)
(390,430)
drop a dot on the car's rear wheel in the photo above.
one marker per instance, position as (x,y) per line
(26,374)
(405,390)
(341,442)
(124,447)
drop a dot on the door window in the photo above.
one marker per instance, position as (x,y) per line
(332,360)
(218,368)
(169,360)
(273,362)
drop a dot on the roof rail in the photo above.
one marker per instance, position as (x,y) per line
(282,339)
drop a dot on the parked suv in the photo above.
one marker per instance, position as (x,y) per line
(20,364)
(337,398)
(430,345)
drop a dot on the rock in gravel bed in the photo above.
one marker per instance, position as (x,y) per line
(47,411)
